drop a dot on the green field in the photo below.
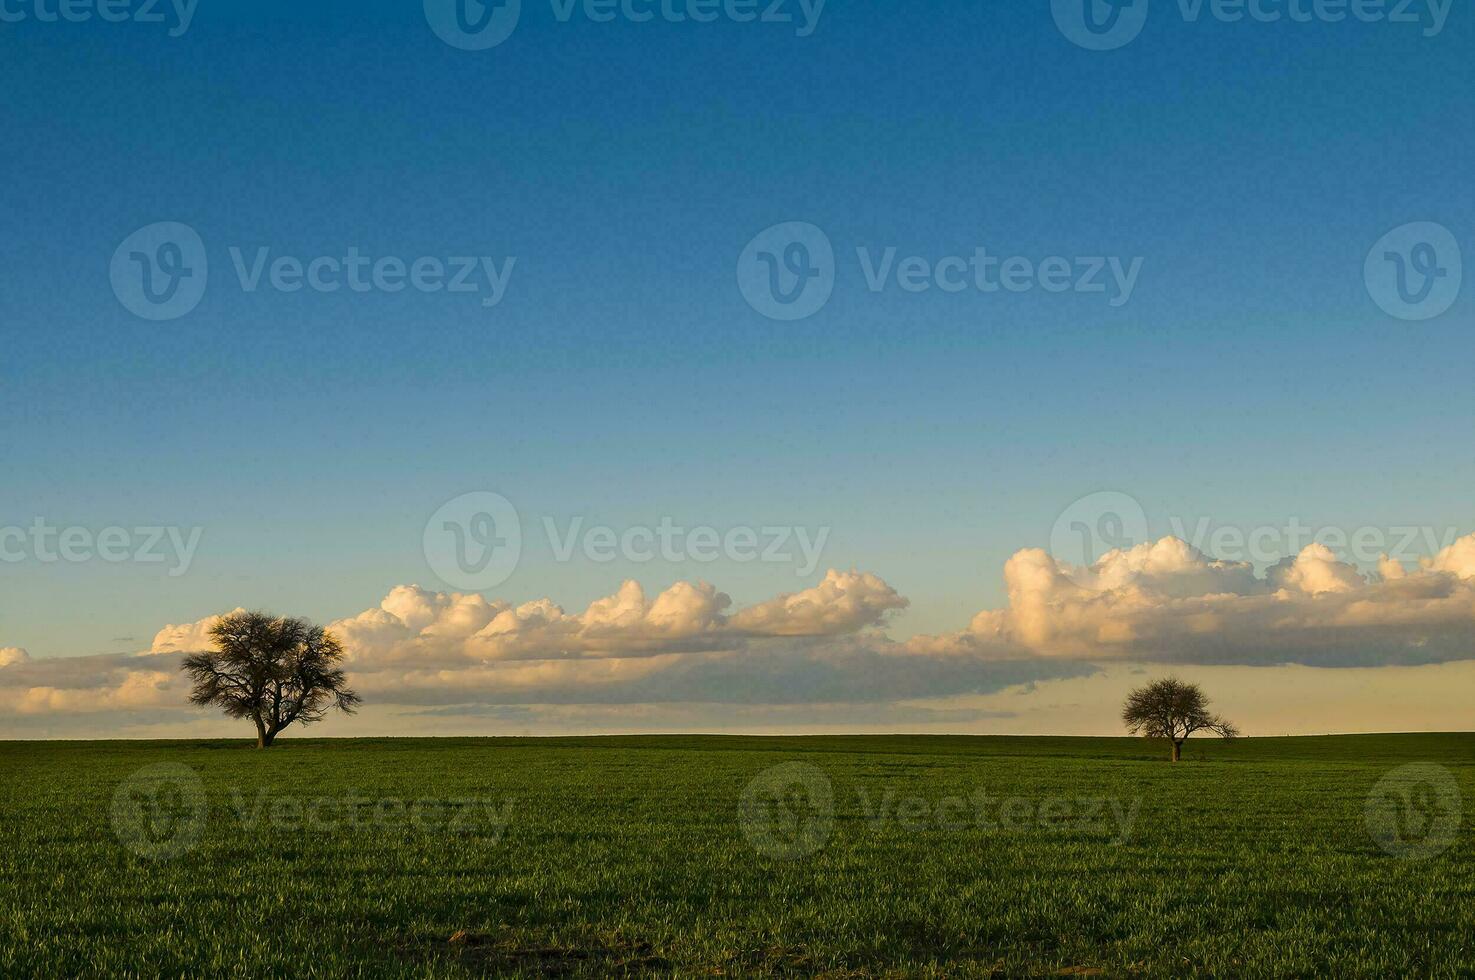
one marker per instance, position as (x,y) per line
(862,856)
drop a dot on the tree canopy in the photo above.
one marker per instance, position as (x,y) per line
(277,671)
(1172,709)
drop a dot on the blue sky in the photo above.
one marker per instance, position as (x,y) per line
(623,378)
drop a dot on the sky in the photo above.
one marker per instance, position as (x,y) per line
(718,267)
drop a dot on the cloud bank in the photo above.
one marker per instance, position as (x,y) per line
(825,648)
(1165,602)
(423,629)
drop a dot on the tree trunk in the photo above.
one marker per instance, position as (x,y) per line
(263,740)
(1177,751)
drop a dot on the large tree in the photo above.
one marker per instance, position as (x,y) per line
(1173,710)
(273,670)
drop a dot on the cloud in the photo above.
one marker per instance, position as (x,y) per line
(1458,559)
(856,670)
(683,644)
(419,647)
(13,655)
(91,685)
(188,637)
(425,653)
(1315,571)
(416,627)
(134,689)
(842,603)
(1166,602)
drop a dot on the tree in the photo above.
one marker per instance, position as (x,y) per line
(1173,710)
(275,671)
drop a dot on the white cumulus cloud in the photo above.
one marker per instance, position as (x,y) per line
(13,655)
(414,626)
(1164,601)
(454,654)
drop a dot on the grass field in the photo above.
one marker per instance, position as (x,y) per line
(854,856)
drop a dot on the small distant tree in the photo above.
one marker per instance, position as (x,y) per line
(1174,710)
(273,670)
